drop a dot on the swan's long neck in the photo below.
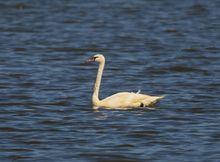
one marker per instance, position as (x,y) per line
(95,96)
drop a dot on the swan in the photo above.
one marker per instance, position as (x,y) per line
(121,100)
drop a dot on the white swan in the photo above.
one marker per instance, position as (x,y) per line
(122,100)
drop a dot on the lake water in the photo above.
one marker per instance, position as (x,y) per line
(159,47)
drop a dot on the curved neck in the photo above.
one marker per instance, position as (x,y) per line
(95,96)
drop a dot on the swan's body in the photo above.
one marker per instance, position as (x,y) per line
(120,100)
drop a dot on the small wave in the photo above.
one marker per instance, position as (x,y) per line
(171,30)
(197,9)
(143,133)
(19,49)
(59,103)
(17,30)
(19,96)
(212,48)
(183,69)
(191,49)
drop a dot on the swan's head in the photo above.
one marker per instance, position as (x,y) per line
(97,58)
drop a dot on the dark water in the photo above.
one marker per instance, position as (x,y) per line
(161,47)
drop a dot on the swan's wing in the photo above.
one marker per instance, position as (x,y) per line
(124,99)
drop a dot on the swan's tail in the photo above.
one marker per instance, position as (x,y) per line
(160,97)
(150,102)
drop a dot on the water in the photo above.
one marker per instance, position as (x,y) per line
(161,47)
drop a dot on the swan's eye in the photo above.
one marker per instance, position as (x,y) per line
(95,57)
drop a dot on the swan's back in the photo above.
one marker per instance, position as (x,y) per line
(127,99)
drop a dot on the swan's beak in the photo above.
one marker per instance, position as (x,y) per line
(92,59)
